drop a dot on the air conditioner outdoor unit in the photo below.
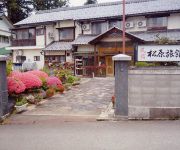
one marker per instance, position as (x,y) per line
(86,27)
(51,35)
(141,24)
(129,25)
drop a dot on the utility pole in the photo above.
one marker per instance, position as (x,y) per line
(124,28)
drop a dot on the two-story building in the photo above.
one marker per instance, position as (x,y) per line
(90,35)
(5,34)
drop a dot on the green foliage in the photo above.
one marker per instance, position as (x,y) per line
(144,64)
(17,10)
(9,68)
(165,40)
(49,4)
(46,70)
(90,2)
(21,101)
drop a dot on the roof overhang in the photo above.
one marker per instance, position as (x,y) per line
(118,31)
(24,47)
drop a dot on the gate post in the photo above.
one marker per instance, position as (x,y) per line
(3,87)
(121,84)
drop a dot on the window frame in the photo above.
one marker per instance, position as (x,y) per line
(153,23)
(67,39)
(23,32)
(93,24)
(37,58)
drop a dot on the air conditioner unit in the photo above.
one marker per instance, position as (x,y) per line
(129,25)
(51,35)
(86,27)
(141,24)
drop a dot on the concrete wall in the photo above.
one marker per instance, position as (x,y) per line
(174,21)
(154,93)
(30,53)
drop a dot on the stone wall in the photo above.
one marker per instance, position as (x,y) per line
(154,93)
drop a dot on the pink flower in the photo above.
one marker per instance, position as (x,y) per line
(38,73)
(15,85)
(30,81)
(53,81)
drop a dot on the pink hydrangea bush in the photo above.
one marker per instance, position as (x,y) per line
(53,82)
(39,73)
(15,74)
(15,86)
(31,81)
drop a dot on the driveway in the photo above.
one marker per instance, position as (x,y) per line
(86,100)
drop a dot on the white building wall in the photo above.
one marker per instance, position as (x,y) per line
(40,40)
(78,29)
(174,21)
(49,29)
(30,53)
(85,48)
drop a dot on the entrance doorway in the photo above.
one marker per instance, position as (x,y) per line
(109,66)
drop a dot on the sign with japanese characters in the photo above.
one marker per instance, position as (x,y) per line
(161,53)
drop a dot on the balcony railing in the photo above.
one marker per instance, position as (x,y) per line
(24,42)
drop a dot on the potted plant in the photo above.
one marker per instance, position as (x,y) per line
(21,104)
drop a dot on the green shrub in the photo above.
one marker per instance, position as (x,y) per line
(46,70)
(71,79)
(21,101)
(9,67)
(144,64)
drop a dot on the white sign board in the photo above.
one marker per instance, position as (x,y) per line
(161,53)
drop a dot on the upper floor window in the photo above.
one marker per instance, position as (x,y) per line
(157,22)
(4,39)
(66,34)
(99,27)
(39,31)
(115,23)
(25,34)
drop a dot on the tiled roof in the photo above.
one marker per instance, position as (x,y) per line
(103,10)
(83,39)
(59,46)
(146,36)
(152,36)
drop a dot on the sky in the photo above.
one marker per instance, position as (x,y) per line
(81,2)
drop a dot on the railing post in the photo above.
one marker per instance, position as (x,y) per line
(3,87)
(121,84)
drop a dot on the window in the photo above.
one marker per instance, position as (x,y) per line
(4,39)
(99,27)
(26,34)
(157,22)
(39,31)
(66,34)
(55,59)
(36,58)
(115,23)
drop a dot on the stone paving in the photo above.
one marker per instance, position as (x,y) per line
(87,99)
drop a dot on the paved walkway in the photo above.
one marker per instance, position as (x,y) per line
(86,100)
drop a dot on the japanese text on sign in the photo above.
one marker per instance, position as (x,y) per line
(159,53)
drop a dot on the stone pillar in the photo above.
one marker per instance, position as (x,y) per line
(3,87)
(121,84)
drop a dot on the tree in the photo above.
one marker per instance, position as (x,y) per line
(49,4)
(16,10)
(90,2)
